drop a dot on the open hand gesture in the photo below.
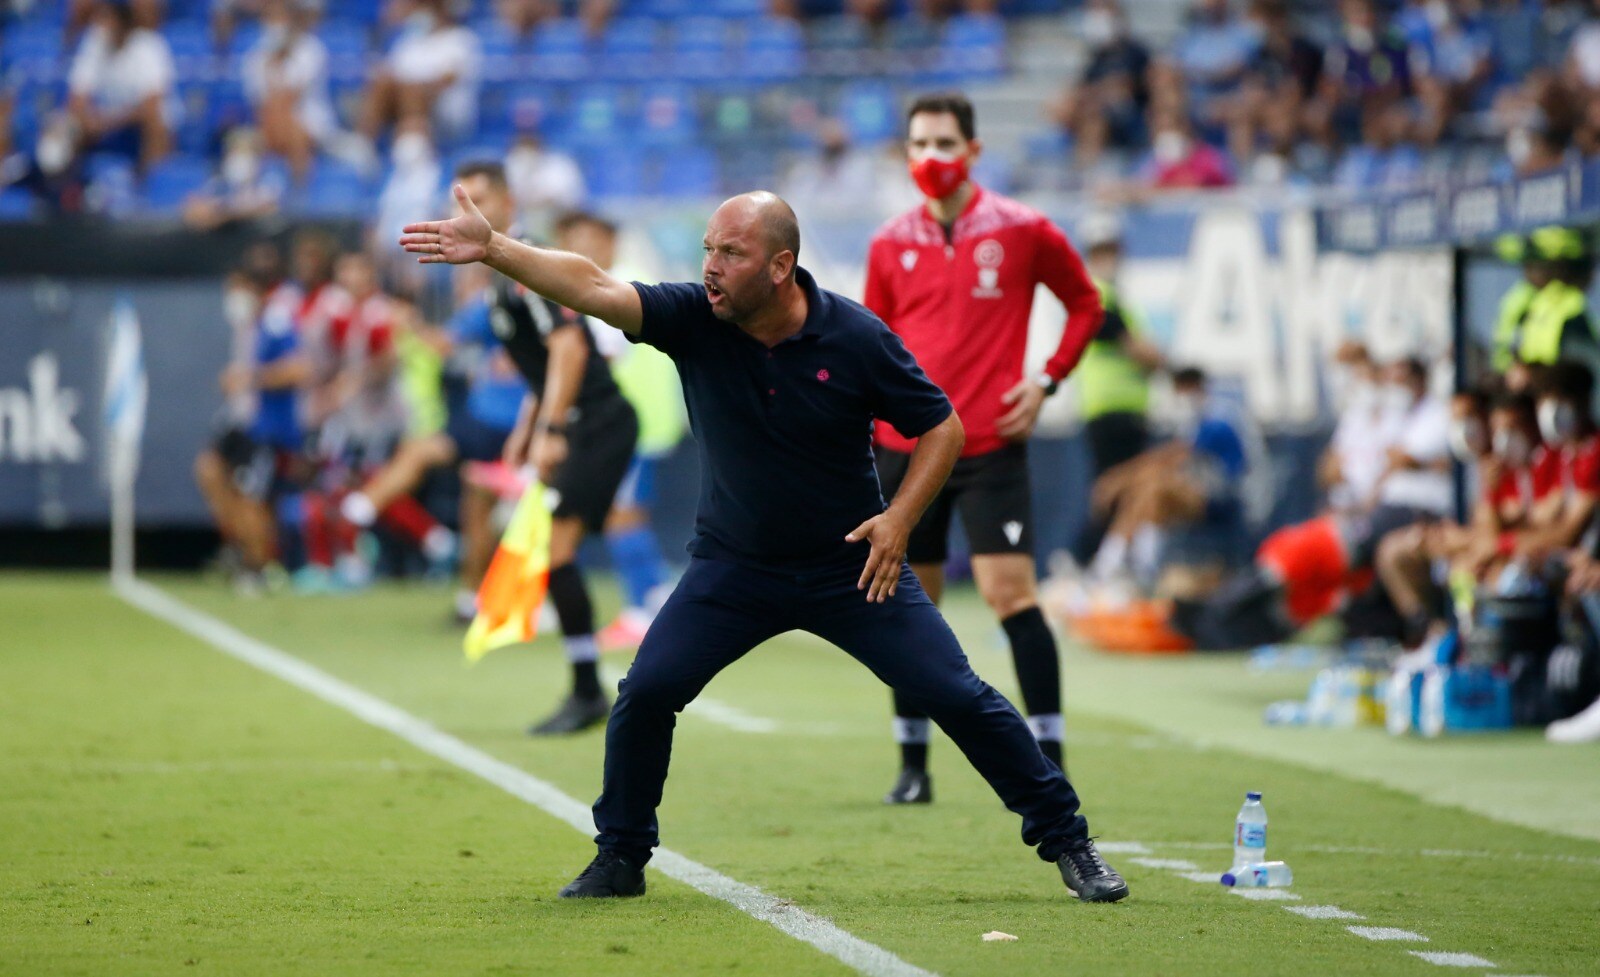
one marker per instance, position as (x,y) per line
(888,536)
(458,241)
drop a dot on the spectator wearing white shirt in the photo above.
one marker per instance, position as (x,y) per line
(286,78)
(1356,457)
(242,189)
(545,182)
(120,89)
(432,70)
(1416,485)
(413,187)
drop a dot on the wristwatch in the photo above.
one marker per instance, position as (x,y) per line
(1048,383)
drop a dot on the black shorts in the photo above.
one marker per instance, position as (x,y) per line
(260,471)
(600,447)
(992,493)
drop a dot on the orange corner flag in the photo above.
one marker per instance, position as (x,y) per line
(513,590)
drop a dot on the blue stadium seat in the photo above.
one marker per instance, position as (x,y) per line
(32,52)
(774,50)
(17,204)
(841,47)
(736,9)
(34,101)
(560,51)
(227,106)
(630,50)
(973,47)
(691,171)
(613,173)
(173,179)
(668,116)
(869,112)
(193,54)
(673,10)
(598,116)
(349,47)
(333,189)
(702,49)
(362,11)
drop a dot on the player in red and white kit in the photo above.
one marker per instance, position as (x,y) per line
(955,279)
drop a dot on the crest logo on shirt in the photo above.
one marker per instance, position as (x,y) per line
(987,256)
(1013,531)
(908,259)
(823,375)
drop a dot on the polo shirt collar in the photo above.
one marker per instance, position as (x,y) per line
(815,313)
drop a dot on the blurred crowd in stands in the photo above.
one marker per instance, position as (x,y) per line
(146,105)
(1360,94)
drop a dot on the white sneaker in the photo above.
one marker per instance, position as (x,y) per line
(1582,728)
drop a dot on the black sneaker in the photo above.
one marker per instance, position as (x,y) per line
(609,876)
(1088,876)
(575,715)
(913,787)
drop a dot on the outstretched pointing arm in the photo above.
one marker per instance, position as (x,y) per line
(565,278)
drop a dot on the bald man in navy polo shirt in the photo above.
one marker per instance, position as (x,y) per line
(784,381)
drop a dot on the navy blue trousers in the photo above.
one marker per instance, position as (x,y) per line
(721,610)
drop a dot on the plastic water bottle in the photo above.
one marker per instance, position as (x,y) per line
(1259,875)
(1250,832)
(1290,712)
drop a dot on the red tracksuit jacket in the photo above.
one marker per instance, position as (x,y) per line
(962,305)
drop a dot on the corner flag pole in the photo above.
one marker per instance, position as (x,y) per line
(127,394)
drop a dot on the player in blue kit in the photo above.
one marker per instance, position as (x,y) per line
(783,381)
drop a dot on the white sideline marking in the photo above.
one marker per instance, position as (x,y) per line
(1386,933)
(1175,864)
(1323,912)
(1209,878)
(731,716)
(1122,847)
(1266,895)
(852,951)
(1425,852)
(1452,959)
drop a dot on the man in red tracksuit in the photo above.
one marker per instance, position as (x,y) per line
(955,279)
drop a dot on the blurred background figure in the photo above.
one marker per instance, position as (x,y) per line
(432,71)
(120,88)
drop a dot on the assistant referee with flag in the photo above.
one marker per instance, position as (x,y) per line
(783,382)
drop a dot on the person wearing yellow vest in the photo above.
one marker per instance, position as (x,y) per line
(649,381)
(1557,325)
(1113,378)
(1516,250)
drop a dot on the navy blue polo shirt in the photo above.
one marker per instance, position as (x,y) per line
(785,434)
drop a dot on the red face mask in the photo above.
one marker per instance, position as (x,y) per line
(939,178)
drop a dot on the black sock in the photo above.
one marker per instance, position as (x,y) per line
(911,729)
(1033,649)
(914,756)
(571,599)
(586,679)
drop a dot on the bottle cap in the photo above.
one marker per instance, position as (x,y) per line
(1228,878)
(1254,795)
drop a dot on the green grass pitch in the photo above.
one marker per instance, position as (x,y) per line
(168,810)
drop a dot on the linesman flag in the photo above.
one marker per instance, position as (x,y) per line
(513,590)
(126,395)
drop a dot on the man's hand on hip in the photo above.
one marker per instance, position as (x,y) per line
(1025,399)
(888,534)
